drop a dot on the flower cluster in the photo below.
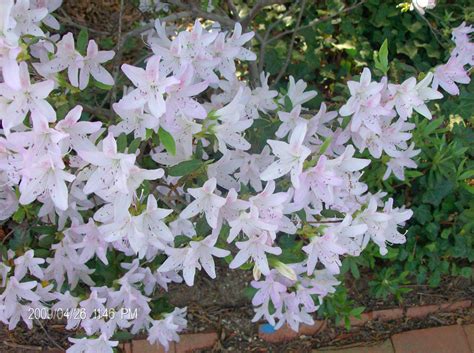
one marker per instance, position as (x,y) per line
(455,71)
(177,180)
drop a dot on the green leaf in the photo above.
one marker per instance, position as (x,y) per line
(43,253)
(467,174)
(122,143)
(249,292)
(383,53)
(82,40)
(423,214)
(46,241)
(167,140)
(19,215)
(288,104)
(325,145)
(466,272)
(134,145)
(432,126)
(355,270)
(122,336)
(102,85)
(181,240)
(381,58)
(185,168)
(356,312)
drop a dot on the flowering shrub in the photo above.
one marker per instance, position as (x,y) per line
(198,165)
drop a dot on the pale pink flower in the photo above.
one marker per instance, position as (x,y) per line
(28,18)
(77,130)
(92,66)
(205,201)
(268,289)
(46,176)
(89,345)
(449,74)
(67,57)
(289,121)
(401,160)
(296,93)
(256,249)
(112,170)
(291,157)
(364,102)
(28,98)
(28,263)
(150,87)
(51,6)
(199,254)
(166,330)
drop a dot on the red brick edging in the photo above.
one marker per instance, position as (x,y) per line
(192,341)
(416,312)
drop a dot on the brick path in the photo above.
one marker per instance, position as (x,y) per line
(446,339)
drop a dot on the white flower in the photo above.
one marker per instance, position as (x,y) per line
(67,303)
(89,345)
(255,248)
(326,249)
(93,303)
(198,255)
(77,130)
(135,120)
(67,57)
(409,95)
(166,330)
(92,66)
(426,93)
(421,5)
(206,201)
(28,98)
(28,263)
(15,291)
(112,167)
(150,87)
(46,176)
(289,121)
(250,224)
(157,232)
(401,160)
(382,226)
(365,98)
(229,131)
(297,94)
(28,18)
(251,166)
(291,156)
(93,242)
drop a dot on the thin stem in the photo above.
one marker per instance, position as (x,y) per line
(98,111)
(47,335)
(233,10)
(264,40)
(119,55)
(317,21)
(292,44)
(65,18)
(432,29)
(324,222)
